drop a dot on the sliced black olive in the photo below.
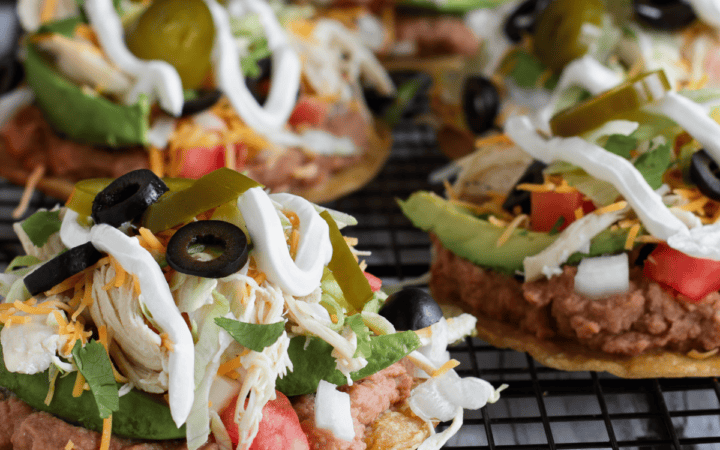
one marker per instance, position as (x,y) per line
(532,175)
(481,102)
(61,268)
(126,198)
(216,234)
(204,100)
(411,309)
(705,173)
(664,14)
(522,19)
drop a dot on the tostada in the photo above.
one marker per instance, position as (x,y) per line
(209,314)
(183,88)
(597,247)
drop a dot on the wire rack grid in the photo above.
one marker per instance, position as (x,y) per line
(542,408)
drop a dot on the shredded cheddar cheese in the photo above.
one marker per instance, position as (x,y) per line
(229,366)
(545,187)
(79,385)
(497,222)
(611,208)
(453,363)
(151,239)
(106,434)
(632,236)
(32,181)
(579,213)
(494,139)
(510,228)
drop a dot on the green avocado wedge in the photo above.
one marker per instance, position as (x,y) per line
(83,117)
(470,237)
(453,6)
(474,239)
(141,416)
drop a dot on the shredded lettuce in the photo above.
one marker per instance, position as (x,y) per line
(363,333)
(653,164)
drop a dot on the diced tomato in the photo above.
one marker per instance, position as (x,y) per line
(308,112)
(692,277)
(375,282)
(546,208)
(279,427)
(199,161)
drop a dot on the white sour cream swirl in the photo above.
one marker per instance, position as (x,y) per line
(156,79)
(228,75)
(301,276)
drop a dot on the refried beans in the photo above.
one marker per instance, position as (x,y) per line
(645,318)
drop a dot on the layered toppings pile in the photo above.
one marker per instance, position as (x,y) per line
(548,54)
(193,86)
(184,309)
(603,233)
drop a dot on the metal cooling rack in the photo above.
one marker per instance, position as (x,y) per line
(542,408)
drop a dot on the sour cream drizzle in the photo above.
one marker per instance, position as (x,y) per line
(694,119)
(601,164)
(228,75)
(301,276)
(153,78)
(156,296)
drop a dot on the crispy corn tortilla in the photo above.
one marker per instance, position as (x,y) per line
(567,355)
(338,185)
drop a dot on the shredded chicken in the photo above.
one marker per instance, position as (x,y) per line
(135,347)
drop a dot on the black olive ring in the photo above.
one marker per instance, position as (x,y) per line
(127,198)
(61,268)
(411,309)
(664,14)
(205,100)
(481,103)
(704,172)
(229,238)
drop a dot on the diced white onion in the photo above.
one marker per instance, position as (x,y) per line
(332,411)
(603,275)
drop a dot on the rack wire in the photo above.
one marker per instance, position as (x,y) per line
(542,408)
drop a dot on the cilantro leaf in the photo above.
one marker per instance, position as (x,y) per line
(94,364)
(312,361)
(251,335)
(41,225)
(653,164)
(621,145)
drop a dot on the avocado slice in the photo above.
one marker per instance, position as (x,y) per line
(80,116)
(474,239)
(141,415)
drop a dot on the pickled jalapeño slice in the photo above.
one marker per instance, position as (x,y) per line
(626,97)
